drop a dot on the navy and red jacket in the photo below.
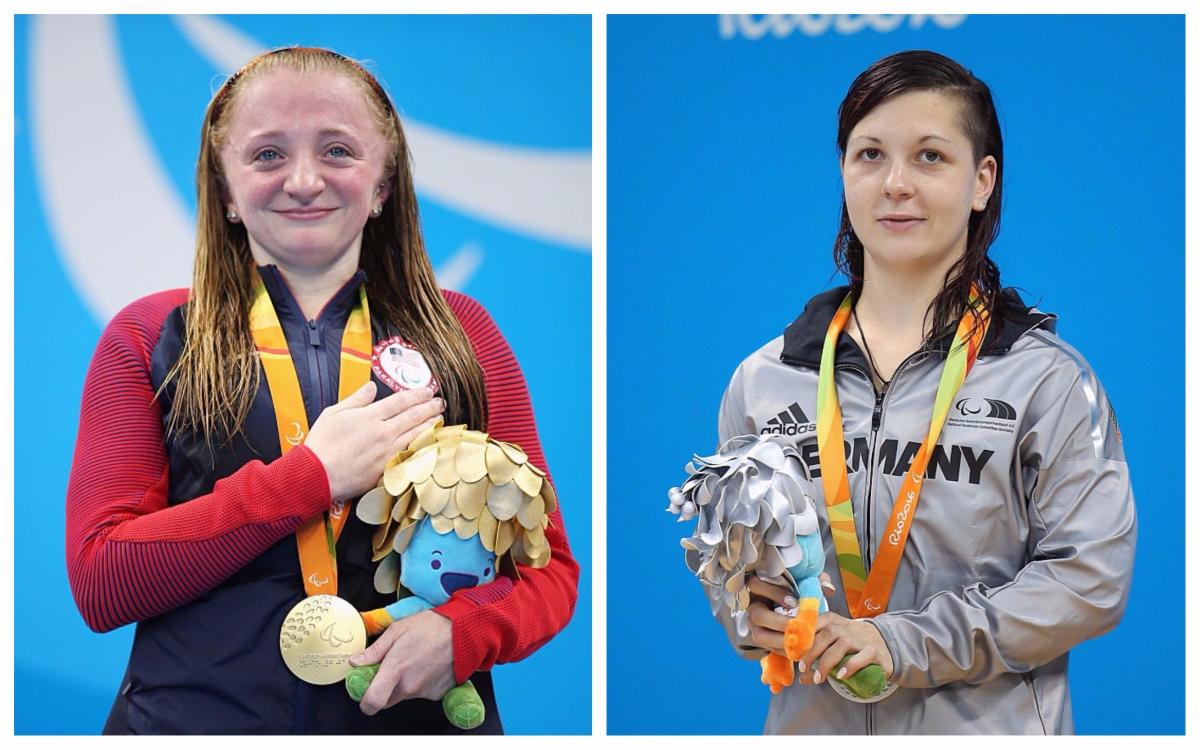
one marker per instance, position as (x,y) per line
(196,544)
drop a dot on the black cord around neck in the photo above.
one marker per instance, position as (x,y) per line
(870,356)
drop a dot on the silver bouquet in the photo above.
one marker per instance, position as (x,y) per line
(750,501)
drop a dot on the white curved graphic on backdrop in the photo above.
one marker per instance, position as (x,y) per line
(118,223)
(536,192)
(454,272)
(115,216)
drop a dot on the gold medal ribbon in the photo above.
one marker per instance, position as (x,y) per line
(866,595)
(316,541)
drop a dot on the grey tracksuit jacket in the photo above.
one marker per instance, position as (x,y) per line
(1023,541)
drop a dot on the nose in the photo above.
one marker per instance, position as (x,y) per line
(304,182)
(897,185)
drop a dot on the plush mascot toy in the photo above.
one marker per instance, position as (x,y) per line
(453,507)
(755,516)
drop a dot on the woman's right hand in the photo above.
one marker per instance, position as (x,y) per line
(767,625)
(354,438)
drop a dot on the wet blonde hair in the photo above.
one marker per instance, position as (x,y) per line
(217,373)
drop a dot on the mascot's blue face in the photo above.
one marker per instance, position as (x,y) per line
(435,565)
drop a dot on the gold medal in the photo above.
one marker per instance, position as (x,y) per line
(318,637)
(321,633)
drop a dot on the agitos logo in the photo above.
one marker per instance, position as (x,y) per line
(996,409)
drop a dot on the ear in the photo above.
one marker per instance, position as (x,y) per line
(985,182)
(382,191)
(223,189)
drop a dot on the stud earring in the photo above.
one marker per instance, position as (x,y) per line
(232,215)
(377,211)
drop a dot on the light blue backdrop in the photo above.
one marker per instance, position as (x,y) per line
(723,198)
(107,126)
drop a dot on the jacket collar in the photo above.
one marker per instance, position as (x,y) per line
(804,338)
(336,307)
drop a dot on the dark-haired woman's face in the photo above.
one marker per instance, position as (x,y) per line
(911,182)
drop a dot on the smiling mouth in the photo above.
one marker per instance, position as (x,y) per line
(900,223)
(307,213)
(452,582)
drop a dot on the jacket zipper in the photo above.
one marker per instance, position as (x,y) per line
(312,331)
(315,341)
(869,501)
(315,361)
(876,418)
(876,423)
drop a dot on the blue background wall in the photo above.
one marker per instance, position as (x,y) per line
(723,197)
(516,87)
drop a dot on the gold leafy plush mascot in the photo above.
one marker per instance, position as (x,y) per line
(453,507)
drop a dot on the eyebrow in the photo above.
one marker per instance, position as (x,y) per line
(924,138)
(324,133)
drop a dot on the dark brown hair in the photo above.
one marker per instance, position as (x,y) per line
(921,70)
(217,374)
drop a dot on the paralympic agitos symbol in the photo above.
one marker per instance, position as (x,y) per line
(332,638)
(997,409)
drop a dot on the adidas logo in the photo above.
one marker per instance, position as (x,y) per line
(790,421)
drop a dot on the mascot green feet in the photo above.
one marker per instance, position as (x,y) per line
(867,682)
(359,680)
(462,704)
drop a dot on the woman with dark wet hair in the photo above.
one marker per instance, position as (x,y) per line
(983,520)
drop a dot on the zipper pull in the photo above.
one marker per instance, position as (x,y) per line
(875,416)
(313,337)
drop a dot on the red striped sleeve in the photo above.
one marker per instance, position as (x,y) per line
(507,620)
(129,555)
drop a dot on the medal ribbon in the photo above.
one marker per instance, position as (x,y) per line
(866,595)
(316,541)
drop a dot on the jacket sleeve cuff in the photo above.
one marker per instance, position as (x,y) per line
(475,641)
(306,479)
(884,624)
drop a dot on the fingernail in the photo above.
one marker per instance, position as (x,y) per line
(816,676)
(790,601)
(801,666)
(841,673)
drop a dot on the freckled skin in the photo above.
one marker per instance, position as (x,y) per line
(303,141)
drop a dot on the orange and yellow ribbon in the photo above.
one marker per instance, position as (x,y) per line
(867,595)
(316,541)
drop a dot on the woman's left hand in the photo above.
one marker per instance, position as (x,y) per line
(837,636)
(416,660)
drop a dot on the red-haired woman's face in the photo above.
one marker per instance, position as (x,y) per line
(911,182)
(303,164)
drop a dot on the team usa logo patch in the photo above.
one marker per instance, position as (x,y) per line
(400,366)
